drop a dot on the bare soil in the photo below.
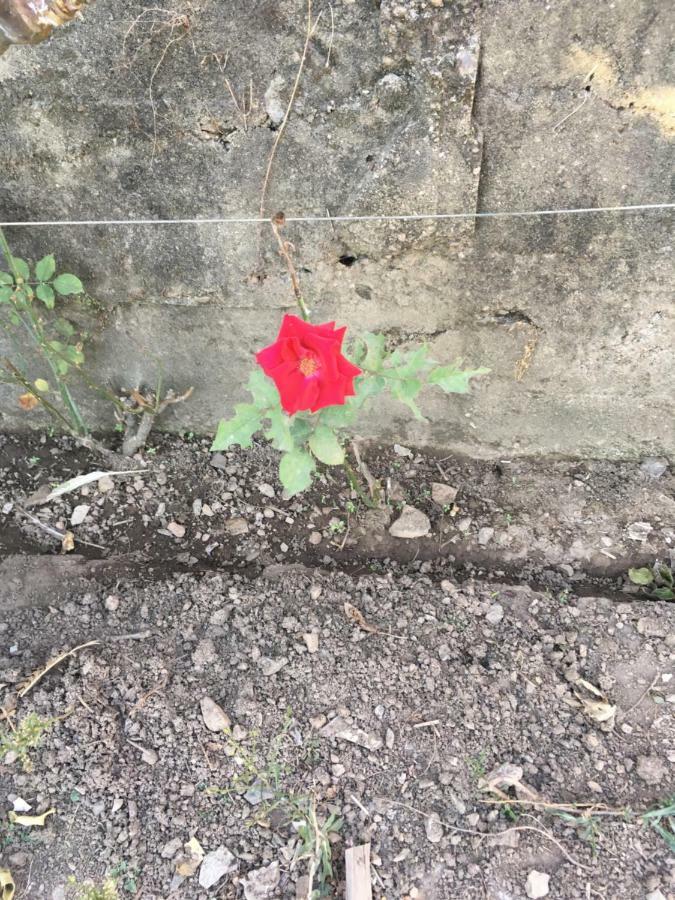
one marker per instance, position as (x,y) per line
(474,654)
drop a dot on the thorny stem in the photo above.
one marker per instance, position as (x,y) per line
(285,253)
(311,28)
(32,326)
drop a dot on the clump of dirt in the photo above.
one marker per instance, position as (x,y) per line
(391,719)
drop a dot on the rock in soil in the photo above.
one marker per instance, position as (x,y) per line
(412,523)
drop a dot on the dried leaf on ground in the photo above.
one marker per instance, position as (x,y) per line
(68,542)
(29,821)
(215,718)
(594,702)
(6,885)
(28,402)
(74,484)
(191,859)
(356,616)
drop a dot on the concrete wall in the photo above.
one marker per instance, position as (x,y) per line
(404,106)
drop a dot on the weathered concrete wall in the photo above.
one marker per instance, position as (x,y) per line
(404,106)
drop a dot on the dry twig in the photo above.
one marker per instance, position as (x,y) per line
(38,676)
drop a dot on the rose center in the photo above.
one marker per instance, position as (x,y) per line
(308,366)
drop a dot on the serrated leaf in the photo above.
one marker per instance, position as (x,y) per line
(663,593)
(41,385)
(46,294)
(6,294)
(295,471)
(62,366)
(641,576)
(340,416)
(406,391)
(239,429)
(45,268)
(279,431)
(6,278)
(374,351)
(453,380)
(264,390)
(21,267)
(414,363)
(67,284)
(57,345)
(326,447)
(366,387)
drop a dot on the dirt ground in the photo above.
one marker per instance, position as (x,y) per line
(488,701)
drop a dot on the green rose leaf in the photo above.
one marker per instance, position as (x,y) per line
(339,416)
(295,471)
(453,380)
(45,268)
(68,284)
(414,362)
(75,356)
(21,267)
(663,593)
(279,431)
(62,366)
(374,351)
(46,294)
(366,387)
(57,345)
(406,391)
(641,576)
(300,428)
(64,327)
(6,278)
(6,294)
(264,390)
(325,446)
(239,429)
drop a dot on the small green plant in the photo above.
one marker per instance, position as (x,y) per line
(314,846)
(587,826)
(477,764)
(88,890)
(336,526)
(662,820)
(657,582)
(264,771)
(307,396)
(21,738)
(50,345)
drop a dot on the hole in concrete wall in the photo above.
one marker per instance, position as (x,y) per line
(347,259)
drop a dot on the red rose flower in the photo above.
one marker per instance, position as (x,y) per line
(307,366)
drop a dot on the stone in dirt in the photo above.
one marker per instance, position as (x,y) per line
(215,865)
(270,667)
(215,718)
(651,769)
(443,494)
(536,884)
(495,614)
(105,484)
(311,640)
(236,525)
(339,728)
(485,535)
(79,514)
(261,884)
(433,828)
(412,523)
(176,529)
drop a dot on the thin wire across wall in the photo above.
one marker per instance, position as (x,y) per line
(400,217)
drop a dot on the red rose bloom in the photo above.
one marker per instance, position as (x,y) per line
(307,366)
